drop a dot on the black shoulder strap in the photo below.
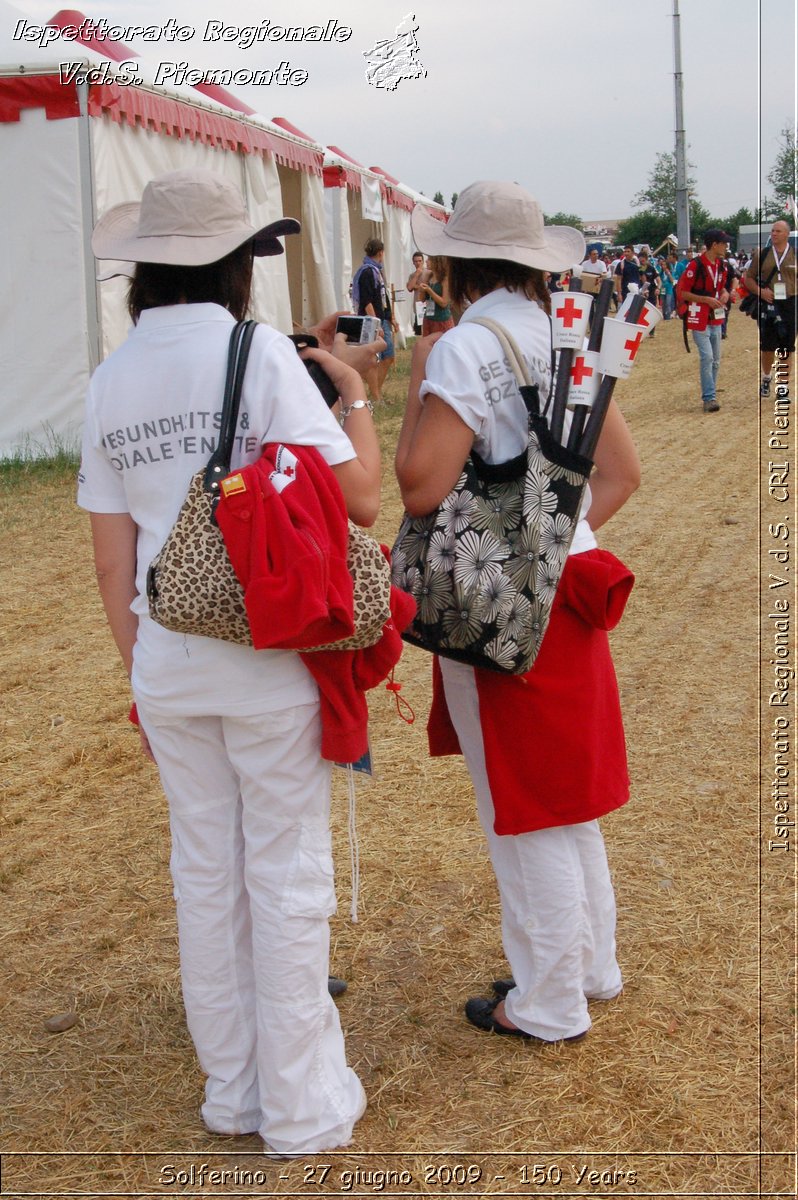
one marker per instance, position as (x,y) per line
(237,355)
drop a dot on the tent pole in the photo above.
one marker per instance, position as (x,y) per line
(86,168)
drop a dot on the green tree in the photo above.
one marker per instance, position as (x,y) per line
(659,197)
(438,198)
(659,194)
(454,198)
(783,174)
(563,218)
(732,224)
(645,227)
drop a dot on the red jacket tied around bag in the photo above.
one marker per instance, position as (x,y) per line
(554,745)
(284,523)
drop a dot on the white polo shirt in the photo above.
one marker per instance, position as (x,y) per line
(152,417)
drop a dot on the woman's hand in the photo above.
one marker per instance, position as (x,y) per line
(339,366)
(324,332)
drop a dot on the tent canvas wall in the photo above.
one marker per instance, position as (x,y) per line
(354,214)
(70,151)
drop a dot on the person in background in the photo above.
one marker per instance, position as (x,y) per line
(438,312)
(417,276)
(370,296)
(771,277)
(593,270)
(702,287)
(649,281)
(627,272)
(235,732)
(667,264)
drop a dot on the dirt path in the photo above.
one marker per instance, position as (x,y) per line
(670,1070)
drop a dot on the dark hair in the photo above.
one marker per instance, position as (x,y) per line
(483,275)
(629,246)
(373,247)
(228,282)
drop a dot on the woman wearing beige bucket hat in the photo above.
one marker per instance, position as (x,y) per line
(545,750)
(234,731)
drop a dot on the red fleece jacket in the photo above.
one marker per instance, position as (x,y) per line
(554,745)
(285,527)
(284,524)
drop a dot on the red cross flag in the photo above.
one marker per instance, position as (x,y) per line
(620,343)
(570,313)
(649,318)
(585,378)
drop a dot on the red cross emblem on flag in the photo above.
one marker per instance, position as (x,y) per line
(569,313)
(633,346)
(643,319)
(289,471)
(580,371)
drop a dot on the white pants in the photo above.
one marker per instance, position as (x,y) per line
(558,905)
(253,876)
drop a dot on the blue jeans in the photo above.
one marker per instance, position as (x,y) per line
(708,343)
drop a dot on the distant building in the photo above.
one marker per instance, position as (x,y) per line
(602,231)
(750,237)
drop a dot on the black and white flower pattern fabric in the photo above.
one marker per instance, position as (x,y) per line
(485,566)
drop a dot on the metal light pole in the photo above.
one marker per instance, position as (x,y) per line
(682,199)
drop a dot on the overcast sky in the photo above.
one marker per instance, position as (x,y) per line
(571,98)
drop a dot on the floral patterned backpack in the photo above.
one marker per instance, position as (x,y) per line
(483,568)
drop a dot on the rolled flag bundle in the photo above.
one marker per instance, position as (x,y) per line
(585,367)
(570,314)
(619,347)
(649,318)
(585,379)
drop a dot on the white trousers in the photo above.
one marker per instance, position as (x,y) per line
(251,861)
(557,900)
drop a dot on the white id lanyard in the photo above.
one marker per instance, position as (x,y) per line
(779,287)
(719,312)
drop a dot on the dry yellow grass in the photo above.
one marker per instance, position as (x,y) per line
(668,1083)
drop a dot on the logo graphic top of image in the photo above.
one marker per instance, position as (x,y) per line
(391,60)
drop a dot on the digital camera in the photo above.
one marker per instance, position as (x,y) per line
(360,330)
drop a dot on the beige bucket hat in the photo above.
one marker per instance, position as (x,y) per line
(498,220)
(187,219)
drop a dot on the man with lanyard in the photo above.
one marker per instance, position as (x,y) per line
(702,287)
(776,266)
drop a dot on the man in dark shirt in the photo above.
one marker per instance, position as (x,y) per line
(626,272)
(372,301)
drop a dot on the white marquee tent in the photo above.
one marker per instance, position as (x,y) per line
(70,151)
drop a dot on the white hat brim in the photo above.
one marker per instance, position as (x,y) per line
(562,246)
(115,236)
